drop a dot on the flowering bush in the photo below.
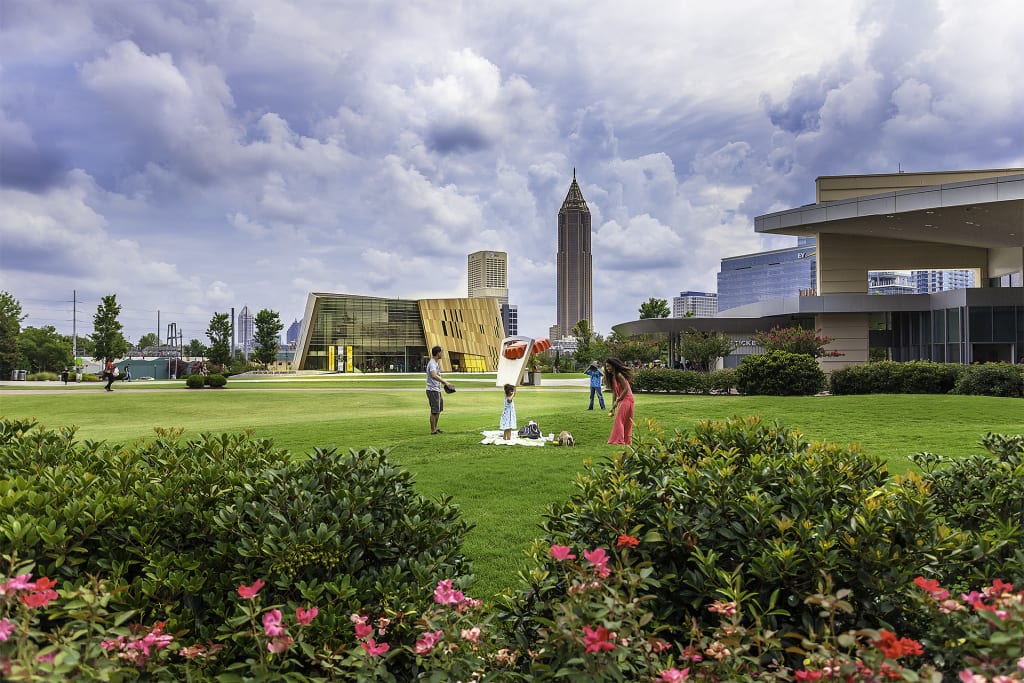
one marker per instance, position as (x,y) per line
(796,340)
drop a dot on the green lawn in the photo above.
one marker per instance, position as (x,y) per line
(502,490)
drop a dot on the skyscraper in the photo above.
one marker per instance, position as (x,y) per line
(488,275)
(575,300)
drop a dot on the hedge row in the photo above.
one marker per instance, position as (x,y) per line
(925,377)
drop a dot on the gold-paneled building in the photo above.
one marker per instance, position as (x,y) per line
(352,333)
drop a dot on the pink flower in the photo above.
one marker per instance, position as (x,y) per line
(425,644)
(46,658)
(726,609)
(444,594)
(808,675)
(598,639)
(382,625)
(968,676)
(357,619)
(272,623)
(1020,663)
(373,649)
(562,553)
(305,616)
(630,541)
(249,592)
(673,675)
(6,629)
(18,583)
(472,634)
(363,631)
(278,645)
(599,558)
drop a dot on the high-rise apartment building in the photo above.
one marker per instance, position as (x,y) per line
(574,264)
(245,327)
(890,282)
(510,319)
(696,304)
(927,281)
(488,275)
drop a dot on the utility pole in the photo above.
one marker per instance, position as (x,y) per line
(74,325)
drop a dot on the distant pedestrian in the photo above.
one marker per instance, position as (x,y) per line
(508,414)
(109,370)
(128,372)
(434,383)
(595,384)
(619,378)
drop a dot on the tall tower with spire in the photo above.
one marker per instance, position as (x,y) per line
(574,263)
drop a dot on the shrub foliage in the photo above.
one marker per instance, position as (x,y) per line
(779,373)
(181,523)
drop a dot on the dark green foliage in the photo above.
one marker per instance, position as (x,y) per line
(992,379)
(779,373)
(108,340)
(684,381)
(195,381)
(182,523)
(215,380)
(982,495)
(750,507)
(888,377)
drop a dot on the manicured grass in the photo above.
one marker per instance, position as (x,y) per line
(503,490)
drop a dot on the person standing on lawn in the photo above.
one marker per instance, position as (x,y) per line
(508,414)
(434,384)
(619,378)
(595,384)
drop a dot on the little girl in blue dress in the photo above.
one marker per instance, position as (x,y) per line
(508,415)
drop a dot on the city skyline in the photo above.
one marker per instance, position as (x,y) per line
(191,157)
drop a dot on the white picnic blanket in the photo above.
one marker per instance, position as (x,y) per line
(497,438)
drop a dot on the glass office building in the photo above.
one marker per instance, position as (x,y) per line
(776,274)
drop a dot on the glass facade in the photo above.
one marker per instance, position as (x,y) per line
(366,334)
(975,334)
(767,275)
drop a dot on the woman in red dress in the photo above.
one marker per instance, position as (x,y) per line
(619,378)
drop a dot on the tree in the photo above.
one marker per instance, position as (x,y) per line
(219,334)
(703,349)
(267,336)
(654,308)
(106,330)
(195,349)
(44,349)
(148,340)
(584,333)
(10,328)
(795,340)
(640,348)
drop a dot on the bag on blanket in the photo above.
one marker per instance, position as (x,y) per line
(529,431)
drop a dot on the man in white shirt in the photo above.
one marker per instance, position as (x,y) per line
(434,383)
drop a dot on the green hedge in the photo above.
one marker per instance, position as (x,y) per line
(780,373)
(182,523)
(669,380)
(888,377)
(992,379)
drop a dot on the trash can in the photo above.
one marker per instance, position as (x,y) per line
(535,379)
(22,375)
(14,375)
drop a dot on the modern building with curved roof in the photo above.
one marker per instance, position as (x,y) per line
(970,220)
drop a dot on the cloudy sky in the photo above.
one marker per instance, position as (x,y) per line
(191,156)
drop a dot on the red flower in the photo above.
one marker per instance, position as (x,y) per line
(249,592)
(932,587)
(629,541)
(373,649)
(599,639)
(894,648)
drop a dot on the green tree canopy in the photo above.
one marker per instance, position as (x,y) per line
(267,336)
(654,308)
(703,349)
(219,334)
(195,349)
(10,328)
(148,340)
(44,349)
(106,330)
(640,348)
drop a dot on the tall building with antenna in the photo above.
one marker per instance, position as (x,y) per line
(574,264)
